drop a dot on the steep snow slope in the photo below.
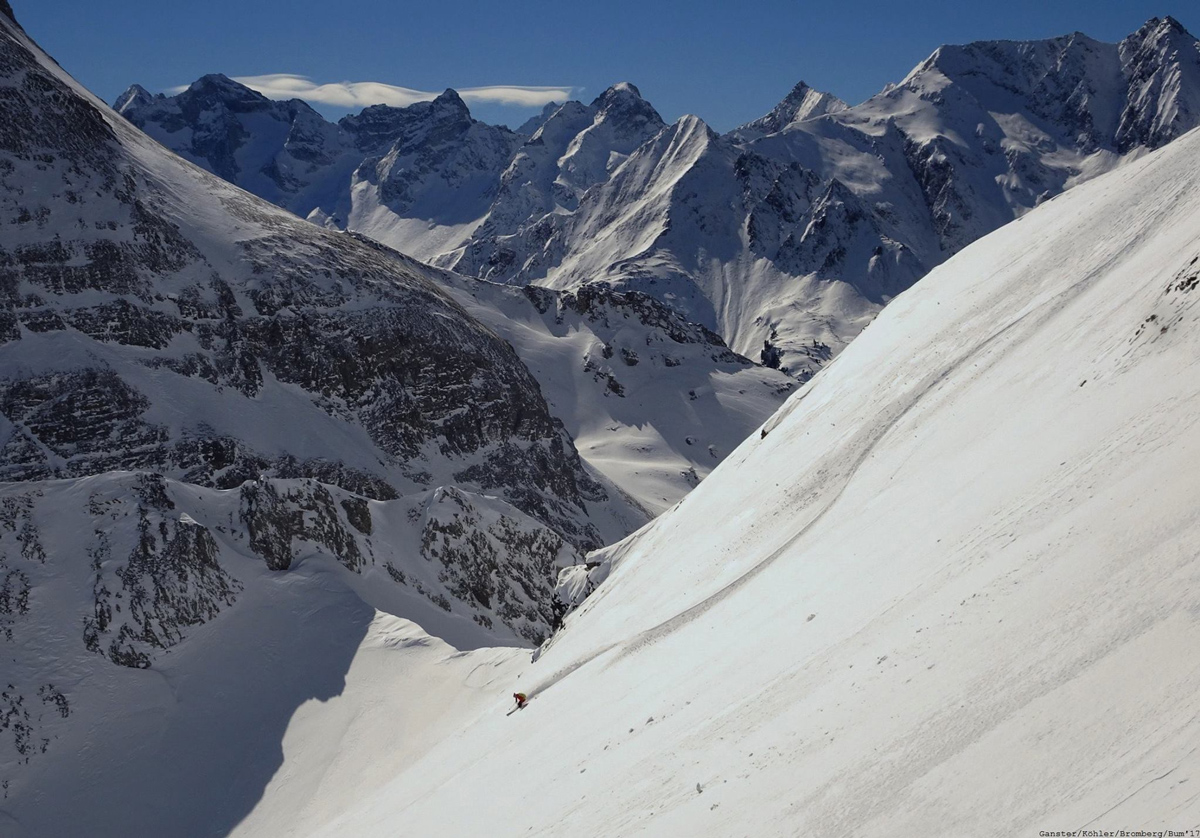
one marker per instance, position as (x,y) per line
(949,589)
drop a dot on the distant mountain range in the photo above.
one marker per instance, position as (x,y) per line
(785,236)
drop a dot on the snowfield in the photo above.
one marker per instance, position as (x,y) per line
(952,590)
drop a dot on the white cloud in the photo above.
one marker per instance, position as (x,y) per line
(358,94)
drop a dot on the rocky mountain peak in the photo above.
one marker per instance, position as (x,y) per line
(134,98)
(1161,63)
(378,126)
(449,99)
(7,11)
(218,86)
(689,123)
(624,102)
(803,102)
(529,127)
(1160,36)
(616,92)
(1164,26)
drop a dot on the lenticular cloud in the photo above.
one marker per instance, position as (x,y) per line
(356,94)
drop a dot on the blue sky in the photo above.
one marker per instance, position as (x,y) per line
(728,62)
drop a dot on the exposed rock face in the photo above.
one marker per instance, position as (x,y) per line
(169,581)
(123,568)
(21,543)
(496,564)
(601,303)
(133,298)
(275,521)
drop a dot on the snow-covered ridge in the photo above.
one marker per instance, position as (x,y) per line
(802,103)
(739,238)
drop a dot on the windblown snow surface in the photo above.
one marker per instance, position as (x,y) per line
(951,589)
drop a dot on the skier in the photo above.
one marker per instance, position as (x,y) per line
(521,699)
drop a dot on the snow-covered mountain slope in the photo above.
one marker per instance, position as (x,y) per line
(656,432)
(233,444)
(653,401)
(155,652)
(787,235)
(158,318)
(950,588)
(784,266)
(978,134)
